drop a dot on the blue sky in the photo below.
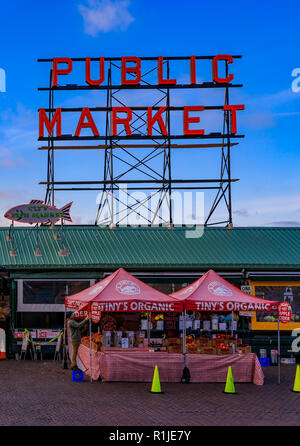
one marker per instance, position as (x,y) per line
(265,33)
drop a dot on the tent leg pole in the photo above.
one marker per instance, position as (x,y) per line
(278,354)
(231,323)
(186,373)
(65,355)
(91,371)
(149,328)
(184,338)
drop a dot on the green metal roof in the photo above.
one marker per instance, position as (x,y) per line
(152,248)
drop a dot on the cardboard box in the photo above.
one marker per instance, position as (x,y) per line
(224,351)
(174,349)
(95,345)
(191,348)
(139,342)
(244,349)
(288,360)
(173,341)
(207,350)
(204,341)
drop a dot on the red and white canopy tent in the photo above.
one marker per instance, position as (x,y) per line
(213,293)
(121,292)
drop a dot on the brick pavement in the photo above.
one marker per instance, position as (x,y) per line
(41,393)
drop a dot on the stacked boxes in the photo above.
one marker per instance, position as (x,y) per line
(244,349)
(174,345)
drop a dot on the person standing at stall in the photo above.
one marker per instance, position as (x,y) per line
(75,330)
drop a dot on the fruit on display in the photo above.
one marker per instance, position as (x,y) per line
(96,341)
(189,339)
(108,323)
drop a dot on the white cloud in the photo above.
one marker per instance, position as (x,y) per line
(105,16)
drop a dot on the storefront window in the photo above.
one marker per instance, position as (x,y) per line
(281,292)
(290,294)
(47,295)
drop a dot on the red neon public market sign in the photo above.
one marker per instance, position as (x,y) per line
(130,75)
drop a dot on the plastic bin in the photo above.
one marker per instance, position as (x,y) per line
(77,377)
(274,356)
(264,362)
(263,353)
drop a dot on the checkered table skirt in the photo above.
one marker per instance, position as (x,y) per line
(139,366)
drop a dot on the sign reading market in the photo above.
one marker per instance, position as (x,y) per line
(51,125)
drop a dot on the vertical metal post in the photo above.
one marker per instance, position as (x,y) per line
(91,358)
(278,354)
(228,150)
(169,151)
(65,359)
(231,323)
(149,327)
(49,198)
(12,315)
(184,338)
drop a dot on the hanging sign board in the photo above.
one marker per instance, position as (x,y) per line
(284,312)
(36,211)
(84,311)
(246,313)
(96,313)
(247,289)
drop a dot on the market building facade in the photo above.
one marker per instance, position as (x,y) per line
(40,267)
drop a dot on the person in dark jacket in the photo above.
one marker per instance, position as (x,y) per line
(75,330)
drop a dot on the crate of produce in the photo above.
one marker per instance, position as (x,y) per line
(189,339)
(224,351)
(191,348)
(220,337)
(173,341)
(207,350)
(204,341)
(174,349)
(95,345)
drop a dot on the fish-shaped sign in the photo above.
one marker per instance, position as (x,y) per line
(38,212)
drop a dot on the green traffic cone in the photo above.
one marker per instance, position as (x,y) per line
(296,387)
(155,382)
(229,387)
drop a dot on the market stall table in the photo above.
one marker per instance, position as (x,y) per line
(138,366)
